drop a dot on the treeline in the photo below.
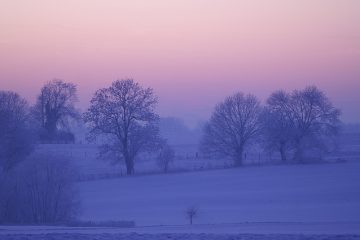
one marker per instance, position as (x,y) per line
(35,188)
(300,125)
(295,124)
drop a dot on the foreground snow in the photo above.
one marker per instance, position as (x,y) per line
(285,194)
(326,228)
(274,202)
(136,236)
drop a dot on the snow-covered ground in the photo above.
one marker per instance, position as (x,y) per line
(188,158)
(135,236)
(244,231)
(319,201)
(314,201)
(85,158)
(310,228)
(291,193)
(186,236)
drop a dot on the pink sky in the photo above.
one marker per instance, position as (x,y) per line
(192,52)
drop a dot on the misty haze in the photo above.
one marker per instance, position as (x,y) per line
(178,119)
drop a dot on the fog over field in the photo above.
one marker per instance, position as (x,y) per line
(77,186)
(181,119)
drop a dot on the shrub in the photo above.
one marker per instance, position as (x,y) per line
(41,190)
(191,213)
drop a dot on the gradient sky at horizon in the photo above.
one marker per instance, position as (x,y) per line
(192,52)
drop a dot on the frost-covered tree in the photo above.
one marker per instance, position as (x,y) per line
(165,157)
(305,117)
(16,138)
(277,125)
(314,117)
(233,124)
(55,107)
(191,213)
(40,190)
(125,114)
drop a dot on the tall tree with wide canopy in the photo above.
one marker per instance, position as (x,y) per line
(16,138)
(314,117)
(233,124)
(55,106)
(125,114)
(306,118)
(277,125)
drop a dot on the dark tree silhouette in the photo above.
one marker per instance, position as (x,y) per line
(234,123)
(54,108)
(165,157)
(278,129)
(314,116)
(191,213)
(124,112)
(40,190)
(16,138)
(307,118)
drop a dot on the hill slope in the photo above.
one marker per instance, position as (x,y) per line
(292,193)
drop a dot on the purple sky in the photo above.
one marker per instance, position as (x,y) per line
(192,52)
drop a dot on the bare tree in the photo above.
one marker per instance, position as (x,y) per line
(55,107)
(191,213)
(307,117)
(314,116)
(16,138)
(278,129)
(233,124)
(166,157)
(124,112)
(40,190)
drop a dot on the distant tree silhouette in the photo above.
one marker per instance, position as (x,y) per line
(16,138)
(233,124)
(40,190)
(277,126)
(165,157)
(124,114)
(191,213)
(306,117)
(55,107)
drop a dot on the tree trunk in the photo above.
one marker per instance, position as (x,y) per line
(239,157)
(299,149)
(129,166)
(298,156)
(51,122)
(282,153)
(129,161)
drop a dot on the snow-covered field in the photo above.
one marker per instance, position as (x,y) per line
(244,231)
(85,158)
(186,236)
(188,158)
(309,228)
(288,193)
(313,201)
